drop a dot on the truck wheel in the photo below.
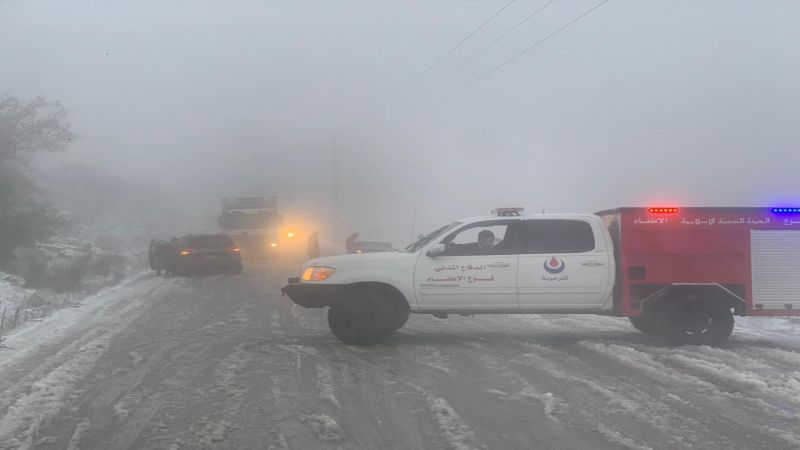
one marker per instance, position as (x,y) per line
(645,324)
(695,323)
(399,313)
(364,319)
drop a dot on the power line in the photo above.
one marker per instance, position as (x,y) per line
(511,30)
(538,43)
(449,52)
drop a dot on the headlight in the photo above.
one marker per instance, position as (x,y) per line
(318,273)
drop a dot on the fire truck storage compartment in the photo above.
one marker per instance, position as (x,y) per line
(775,259)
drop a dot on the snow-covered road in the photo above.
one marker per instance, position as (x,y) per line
(225,362)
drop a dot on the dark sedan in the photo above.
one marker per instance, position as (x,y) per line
(204,253)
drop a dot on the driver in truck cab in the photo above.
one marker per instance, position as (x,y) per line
(483,246)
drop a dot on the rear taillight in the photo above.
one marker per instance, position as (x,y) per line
(186,252)
(233,249)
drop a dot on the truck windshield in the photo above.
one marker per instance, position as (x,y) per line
(424,240)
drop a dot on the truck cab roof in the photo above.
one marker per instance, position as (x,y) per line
(528,217)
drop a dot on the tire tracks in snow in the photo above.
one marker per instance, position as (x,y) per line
(541,383)
(733,411)
(48,375)
(46,396)
(623,398)
(127,392)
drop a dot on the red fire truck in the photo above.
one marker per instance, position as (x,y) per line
(682,273)
(669,259)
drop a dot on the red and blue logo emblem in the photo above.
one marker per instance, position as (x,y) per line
(554,265)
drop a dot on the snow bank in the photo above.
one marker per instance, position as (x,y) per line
(782,330)
(12,297)
(58,274)
(778,385)
(88,313)
(71,265)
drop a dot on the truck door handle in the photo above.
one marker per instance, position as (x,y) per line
(498,264)
(592,263)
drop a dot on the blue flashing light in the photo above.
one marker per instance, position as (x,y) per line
(786,210)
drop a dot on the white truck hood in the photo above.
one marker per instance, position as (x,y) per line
(360,260)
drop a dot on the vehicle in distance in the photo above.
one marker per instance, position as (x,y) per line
(372,247)
(253,222)
(679,273)
(205,253)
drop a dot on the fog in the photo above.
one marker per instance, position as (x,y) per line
(638,103)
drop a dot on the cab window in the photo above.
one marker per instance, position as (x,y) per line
(557,236)
(484,238)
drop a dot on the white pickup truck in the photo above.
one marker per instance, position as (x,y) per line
(681,274)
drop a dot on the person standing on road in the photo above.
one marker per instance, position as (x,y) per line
(350,243)
(313,245)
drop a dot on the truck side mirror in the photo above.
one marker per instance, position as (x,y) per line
(436,250)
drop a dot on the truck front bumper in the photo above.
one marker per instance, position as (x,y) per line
(310,295)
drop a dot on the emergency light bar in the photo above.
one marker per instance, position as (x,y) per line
(663,210)
(786,210)
(505,212)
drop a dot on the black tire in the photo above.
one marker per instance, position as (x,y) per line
(695,322)
(645,324)
(366,318)
(400,313)
(351,328)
